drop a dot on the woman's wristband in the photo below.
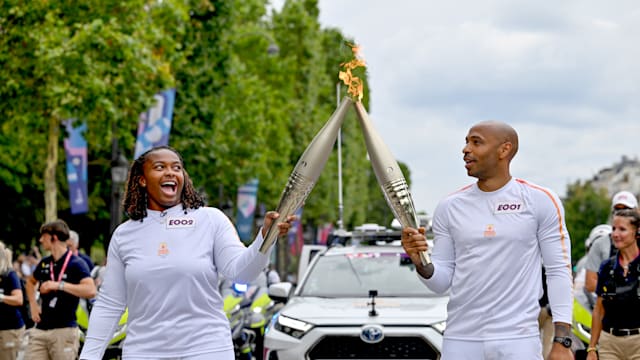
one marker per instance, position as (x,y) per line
(590,349)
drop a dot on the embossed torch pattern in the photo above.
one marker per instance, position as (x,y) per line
(294,194)
(397,194)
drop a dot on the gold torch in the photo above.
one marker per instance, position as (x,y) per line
(390,177)
(306,172)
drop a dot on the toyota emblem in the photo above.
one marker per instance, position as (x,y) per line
(372,334)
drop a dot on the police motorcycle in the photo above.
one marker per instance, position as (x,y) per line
(234,307)
(583,303)
(250,304)
(583,300)
(114,349)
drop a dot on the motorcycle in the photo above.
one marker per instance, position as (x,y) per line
(256,308)
(114,349)
(241,337)
(583,303)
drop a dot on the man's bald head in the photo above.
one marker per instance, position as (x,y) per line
(503,132)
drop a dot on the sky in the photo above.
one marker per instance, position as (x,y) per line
(565,75)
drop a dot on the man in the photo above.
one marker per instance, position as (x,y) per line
(63,278)
(73,244)
(491,239)
(601,248)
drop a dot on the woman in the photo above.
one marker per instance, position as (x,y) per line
(163,265)
(11,323)
(615,322)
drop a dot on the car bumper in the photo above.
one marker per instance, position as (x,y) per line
(399,342)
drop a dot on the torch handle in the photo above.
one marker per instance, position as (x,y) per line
(424,258)
(272,235)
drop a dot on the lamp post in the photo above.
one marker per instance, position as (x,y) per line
(119,172)
(339,141)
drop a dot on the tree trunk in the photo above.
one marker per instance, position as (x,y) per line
(50,187)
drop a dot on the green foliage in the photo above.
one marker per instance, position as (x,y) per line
(242,111)
(585,207)
(100,61)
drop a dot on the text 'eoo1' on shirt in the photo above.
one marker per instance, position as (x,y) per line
(496,242)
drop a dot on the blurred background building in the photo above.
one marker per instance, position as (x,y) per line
(624,175)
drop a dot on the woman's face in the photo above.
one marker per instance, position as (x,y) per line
(163,178)
(624,233)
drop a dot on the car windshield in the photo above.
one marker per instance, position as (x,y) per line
(354,274)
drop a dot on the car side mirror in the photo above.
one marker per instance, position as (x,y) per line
(280,292)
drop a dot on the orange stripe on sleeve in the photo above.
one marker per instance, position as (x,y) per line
(563,238)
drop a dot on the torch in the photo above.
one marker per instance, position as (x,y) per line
(306,172)
(390,177)
(394,186)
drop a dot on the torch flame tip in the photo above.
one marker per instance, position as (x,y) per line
(354,83)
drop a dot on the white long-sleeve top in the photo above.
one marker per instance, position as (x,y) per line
(488,252)
(165,270)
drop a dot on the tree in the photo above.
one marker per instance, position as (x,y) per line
(585,207)
(241,112)
(99,61)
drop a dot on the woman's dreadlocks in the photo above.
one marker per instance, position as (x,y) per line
(135,198)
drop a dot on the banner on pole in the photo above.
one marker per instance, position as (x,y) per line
(155,124)
(247,200)
(295,236)
(75,148)
(323,234)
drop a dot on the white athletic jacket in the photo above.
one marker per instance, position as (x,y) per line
(165,271)
(488,252)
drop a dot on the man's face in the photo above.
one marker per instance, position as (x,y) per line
(481,153)
(46,240)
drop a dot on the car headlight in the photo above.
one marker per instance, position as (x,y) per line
(291,327)
(440,326)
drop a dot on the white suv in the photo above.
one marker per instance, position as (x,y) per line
(357,301)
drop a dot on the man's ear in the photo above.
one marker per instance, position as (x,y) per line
(505,150)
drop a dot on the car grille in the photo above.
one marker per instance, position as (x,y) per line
(351,347)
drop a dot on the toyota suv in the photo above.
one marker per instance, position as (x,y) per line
(358,299)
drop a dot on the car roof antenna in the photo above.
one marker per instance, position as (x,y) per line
(372,295)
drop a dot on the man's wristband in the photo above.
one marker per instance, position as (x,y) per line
(1,298)
(61,286)
(590,349)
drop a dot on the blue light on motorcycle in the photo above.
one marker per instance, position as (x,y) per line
(241,288)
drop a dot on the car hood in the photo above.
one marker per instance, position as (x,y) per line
(355,311)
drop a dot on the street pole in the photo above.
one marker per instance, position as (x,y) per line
(119,172)
(340,203)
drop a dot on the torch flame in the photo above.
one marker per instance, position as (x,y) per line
(354,83)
